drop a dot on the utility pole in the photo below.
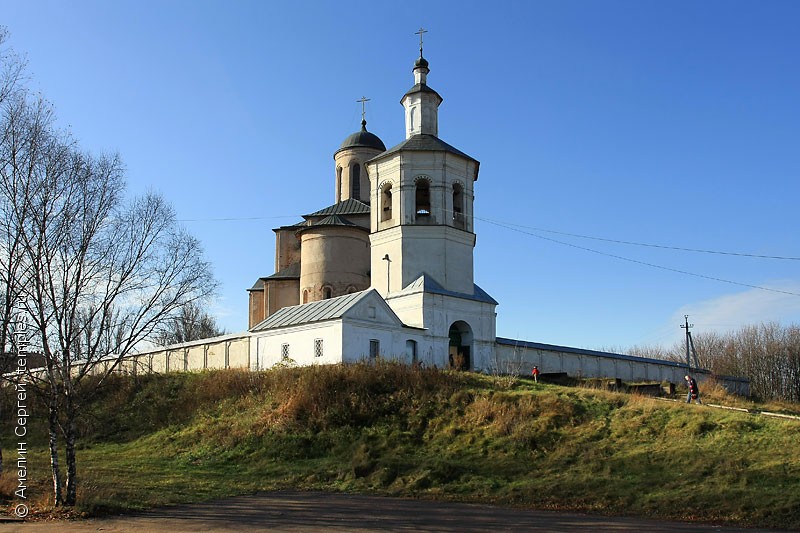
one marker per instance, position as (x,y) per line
(686,326)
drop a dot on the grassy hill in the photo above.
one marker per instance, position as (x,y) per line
(385,428)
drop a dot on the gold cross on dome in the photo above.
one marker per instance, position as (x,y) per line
(363,101)
(420,33)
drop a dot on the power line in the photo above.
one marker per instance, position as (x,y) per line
(516,227)
(652,265)
(648,245)
(233,219)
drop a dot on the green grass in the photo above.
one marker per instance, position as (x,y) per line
(389,429)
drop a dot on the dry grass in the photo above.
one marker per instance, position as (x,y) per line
(428,433)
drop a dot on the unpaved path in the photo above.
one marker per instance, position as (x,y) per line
(320,511)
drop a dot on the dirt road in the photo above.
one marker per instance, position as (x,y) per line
(318,511)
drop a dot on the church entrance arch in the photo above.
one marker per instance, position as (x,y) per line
(460,346)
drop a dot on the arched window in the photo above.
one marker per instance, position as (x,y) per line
(423,198)
(338,184)
(351,289)
(305,297)
(386,202)
(458,205)
(327,293)
(355,181)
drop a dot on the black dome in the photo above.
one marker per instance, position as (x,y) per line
(363,139)
(421,62)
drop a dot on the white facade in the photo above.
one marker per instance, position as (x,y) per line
(423,305)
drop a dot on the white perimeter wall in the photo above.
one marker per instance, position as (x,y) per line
(521,357)
(348,341)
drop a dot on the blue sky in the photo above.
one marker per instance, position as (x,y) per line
(669,123)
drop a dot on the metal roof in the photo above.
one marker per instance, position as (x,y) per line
(351,206)
(332,220)
(362,139)
(290,272)
(313,312)
(259,285)
(291,226)
(423,142)
(425,283)
(421,88)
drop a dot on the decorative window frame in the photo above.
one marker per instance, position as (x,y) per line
(318,347)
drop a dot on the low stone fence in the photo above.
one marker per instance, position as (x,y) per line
(226,351)
(514,356)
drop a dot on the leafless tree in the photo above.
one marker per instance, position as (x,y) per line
(767,354)
(190,324)
(96,273)
(12,69)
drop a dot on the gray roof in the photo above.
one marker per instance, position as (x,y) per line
(362,139)
(259,285)
(423,142)
(351,206)
(291,226)
(290,272)
(425,283)
(332,220)
(422,88)
(313,312)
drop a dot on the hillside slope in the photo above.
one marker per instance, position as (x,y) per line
(386,428)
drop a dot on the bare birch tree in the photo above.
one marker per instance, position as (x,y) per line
(97,273)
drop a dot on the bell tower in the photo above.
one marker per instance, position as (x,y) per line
(422,196)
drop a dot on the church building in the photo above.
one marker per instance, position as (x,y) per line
(387,270)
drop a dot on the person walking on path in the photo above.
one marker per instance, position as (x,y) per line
(535,374)
(694,392)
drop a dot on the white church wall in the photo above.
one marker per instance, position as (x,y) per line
(408,308)
(267,347)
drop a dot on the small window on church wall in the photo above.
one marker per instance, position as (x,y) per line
(285,351)
(458,205)
(411,351)
(423,198)
(338,184)
(355,181)
(327,293)
(317,347)
(305,297)
(374,348)
(386,202)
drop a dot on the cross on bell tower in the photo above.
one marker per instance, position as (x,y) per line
(363,102)
(421,32)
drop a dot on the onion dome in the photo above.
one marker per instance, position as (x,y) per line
(362,139)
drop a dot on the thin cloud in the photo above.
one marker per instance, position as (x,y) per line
(732,311)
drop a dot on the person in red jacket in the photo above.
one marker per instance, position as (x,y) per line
(694,392)
(535,374)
